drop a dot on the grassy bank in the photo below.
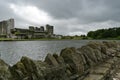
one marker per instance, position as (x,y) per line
(42,39)
(48,39)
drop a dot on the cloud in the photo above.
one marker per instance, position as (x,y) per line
(70,17)
(31,14)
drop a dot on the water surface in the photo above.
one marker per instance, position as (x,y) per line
(12,51)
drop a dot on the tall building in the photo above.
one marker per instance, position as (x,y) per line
(49,29)
(10,25)
(5,28)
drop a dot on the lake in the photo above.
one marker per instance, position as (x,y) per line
(12,51)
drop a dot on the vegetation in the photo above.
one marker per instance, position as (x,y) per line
(76,37)
(111,33)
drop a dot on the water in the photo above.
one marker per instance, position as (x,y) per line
(11,52)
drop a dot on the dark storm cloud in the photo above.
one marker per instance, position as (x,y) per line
(70,15)
(85,10)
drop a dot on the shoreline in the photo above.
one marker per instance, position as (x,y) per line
(10,39)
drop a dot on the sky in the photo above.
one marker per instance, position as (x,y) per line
(69,17)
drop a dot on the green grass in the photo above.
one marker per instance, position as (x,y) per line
(42,39)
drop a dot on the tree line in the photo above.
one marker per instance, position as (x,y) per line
(105,33)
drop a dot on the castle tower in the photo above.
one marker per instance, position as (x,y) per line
(10,25)
(5,28)
(49,29)
(31,28)
(42,29)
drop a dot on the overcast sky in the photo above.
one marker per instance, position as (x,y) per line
(69,17)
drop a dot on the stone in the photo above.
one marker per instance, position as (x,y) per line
(85,62)
(18,71)
(28,69)
(98,55)
(94,77)
(111,52)
(51,60)
(94,45)
(90,55)
(60,60)
(56,73)
(28,63)
(100,70)
(73,59)
(110,44)
(5,73)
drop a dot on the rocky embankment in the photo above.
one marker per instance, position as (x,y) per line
(94,61)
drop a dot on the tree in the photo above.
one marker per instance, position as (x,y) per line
(104,33)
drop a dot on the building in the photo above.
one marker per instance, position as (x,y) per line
(33,32)
(5,28)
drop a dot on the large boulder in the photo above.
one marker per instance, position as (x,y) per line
(100,47)
(51,60)
(56,73)
(98,54)
(28,69)
(111,44)
(59,59)
(94,45)
(5,73)
(90,55)
(73,60)
(18,71)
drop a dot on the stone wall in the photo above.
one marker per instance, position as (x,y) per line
(94,61)
(5,28)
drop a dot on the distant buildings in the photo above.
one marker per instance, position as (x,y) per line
(33,32)
(7,30)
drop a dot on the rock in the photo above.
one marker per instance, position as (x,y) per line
(55,55)
(101,49)
(5,73)
(89,54)
(28,69)
(98,55)
(28,64)
(100,70)
(51,60)
(56,73)
(73,59)
(104,49)
(111,52)
(19,71)
(111,44)
(60,60)
(94,77)
(94,45)
(85,62)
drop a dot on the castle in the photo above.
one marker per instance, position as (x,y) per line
(7,30)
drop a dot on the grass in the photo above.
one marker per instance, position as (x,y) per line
(42,39)
(51,39)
